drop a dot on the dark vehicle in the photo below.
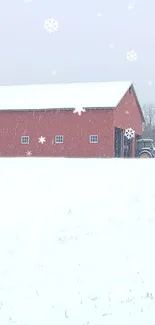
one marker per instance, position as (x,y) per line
(145,148)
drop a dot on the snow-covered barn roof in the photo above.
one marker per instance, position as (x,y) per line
(63,96)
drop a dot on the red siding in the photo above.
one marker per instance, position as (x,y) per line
(75,129)
(127,114)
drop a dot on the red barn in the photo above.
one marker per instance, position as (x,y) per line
(38,120)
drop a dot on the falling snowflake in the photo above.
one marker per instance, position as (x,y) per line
(28,153)
(79,110)
(150,83)
(42,139)
(99,15)
(111,46)
(54,72)
(129,133)
(51,25)
(131,6)
(26,1)
(131,55)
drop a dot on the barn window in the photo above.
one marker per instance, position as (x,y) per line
(93,138)
(25,139)
(59,139)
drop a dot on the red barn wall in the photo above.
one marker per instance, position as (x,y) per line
(75,129)
(127,114)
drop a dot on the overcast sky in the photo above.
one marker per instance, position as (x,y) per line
(90,44)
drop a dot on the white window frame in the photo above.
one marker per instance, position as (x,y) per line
(23,139)
(91,138)
(58,139)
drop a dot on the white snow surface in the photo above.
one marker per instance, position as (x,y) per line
(63,96)
(77,240)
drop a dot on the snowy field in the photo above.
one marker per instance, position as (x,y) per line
(77,241)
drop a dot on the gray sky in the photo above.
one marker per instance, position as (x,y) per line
(81,48)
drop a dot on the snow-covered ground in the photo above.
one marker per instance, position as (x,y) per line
(77,241)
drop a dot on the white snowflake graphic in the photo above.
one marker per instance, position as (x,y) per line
(131,6)
(42,139)
(129,133)
(28,153)
(131,55)
(150,83)
(26,1)
(51,25)
(79,110)
(99,15)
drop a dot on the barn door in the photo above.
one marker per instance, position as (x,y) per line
(118,142)
(127,147)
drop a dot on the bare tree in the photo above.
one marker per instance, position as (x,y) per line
(149,115)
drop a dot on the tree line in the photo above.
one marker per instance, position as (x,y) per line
(149,125)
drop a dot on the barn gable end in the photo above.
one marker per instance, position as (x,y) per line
(128,113)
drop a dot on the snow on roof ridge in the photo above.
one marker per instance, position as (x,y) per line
(63,96)
(70,83)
